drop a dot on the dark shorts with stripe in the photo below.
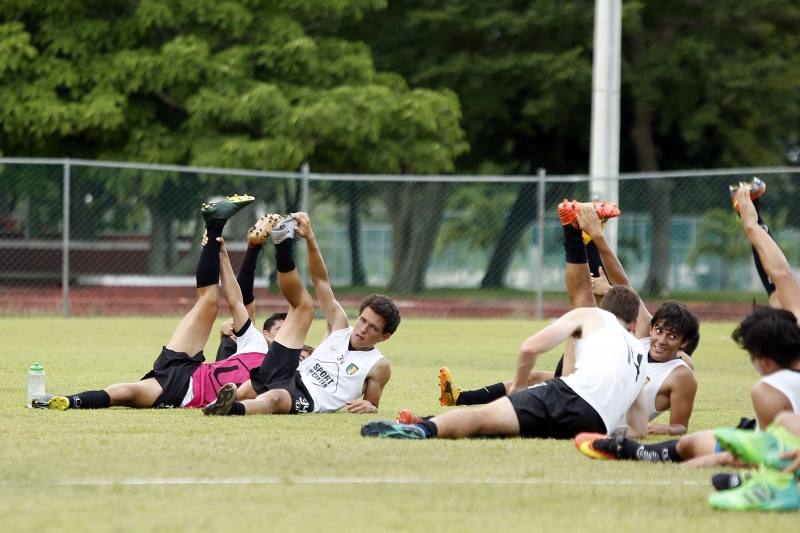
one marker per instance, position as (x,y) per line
(173,371)
(554,410)
(279,371)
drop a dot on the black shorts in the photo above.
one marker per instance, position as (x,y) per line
(279,371)
(553,410)
(173,371)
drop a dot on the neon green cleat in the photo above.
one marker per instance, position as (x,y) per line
(759,447)
(225,209)
(768,490)
(51,401)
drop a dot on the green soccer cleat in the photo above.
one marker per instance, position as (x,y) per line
(222,405)
(759,447)
(226,208)
(51,401)
(768,490)
(391,430)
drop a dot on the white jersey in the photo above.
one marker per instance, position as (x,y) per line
(657,374)
(610,370)
(788,383)
(334,374)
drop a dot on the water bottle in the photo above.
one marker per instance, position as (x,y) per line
(35,382)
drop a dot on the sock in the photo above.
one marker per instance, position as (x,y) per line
(573,245)
(247,273)
(93,399)
(284,260)
(208,264)
(726,481)
(482,396)
(430,429)
(662,452)
(595,261)
(765,279)
(237,409)
(244,328)
(559,368)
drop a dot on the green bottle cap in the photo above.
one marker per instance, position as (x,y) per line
(37,368)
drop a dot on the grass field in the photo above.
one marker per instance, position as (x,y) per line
(176,470)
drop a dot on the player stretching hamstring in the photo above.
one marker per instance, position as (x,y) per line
(671,384)
(178,379)
(610,368)
(772,338)
(343,368)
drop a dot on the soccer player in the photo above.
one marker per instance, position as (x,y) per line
(670,385)
(179,379)
(227,342)
(609,364)
(346,370)
(772,339)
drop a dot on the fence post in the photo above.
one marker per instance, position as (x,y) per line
(65,241)
(540,245)
(305,168)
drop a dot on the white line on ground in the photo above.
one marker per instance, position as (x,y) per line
(343,480)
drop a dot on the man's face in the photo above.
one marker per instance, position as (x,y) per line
(271,332)
(664,343)
(368,330)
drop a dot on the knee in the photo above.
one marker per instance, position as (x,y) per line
(305,305)
(120,393)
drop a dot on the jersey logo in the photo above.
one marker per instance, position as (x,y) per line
(334,348)
(351,369)
(301,405)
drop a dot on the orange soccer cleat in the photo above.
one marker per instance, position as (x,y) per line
(757,188)
(568,211)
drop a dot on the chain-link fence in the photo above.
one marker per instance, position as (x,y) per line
(83,237)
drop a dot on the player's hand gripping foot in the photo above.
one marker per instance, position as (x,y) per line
(450,392)
(225,209)
(407,417)
(391,430)
(568,211)
(757,188)
(599,446)
(258,234)
(222,405)
(768,490)
(759,447)
(284,229)
(51,401)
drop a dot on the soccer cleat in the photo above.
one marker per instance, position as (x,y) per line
(391,430)
(759,447)
(222,405)
(258,234)
(450,392)
(568,211)
(598,446)
(757,188)
(767,490)
(226,208)
(407,417)
(51,401)
(284,229)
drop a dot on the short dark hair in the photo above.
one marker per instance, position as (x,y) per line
(677,318)
(771,333)
(383,306)
(268,323)
(623,302)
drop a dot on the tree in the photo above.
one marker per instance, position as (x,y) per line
(239,83)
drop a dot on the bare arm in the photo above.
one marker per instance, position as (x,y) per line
(231,290)
(768,402)
(335,316)
(376,380)
(683,388)
(775,263)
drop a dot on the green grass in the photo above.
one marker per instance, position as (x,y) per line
(315,472)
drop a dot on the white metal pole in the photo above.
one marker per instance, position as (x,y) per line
(604,152)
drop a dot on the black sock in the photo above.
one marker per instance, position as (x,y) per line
(247,273)
(559,368)
(284,260)
(429,427)
(662,452)
(595,261)
(482,396)
(93,399)
(208,264)
(237,408)
(573,245)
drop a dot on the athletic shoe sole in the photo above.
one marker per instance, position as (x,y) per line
(284,229)
(225,209)
(449,392)
(391,430)
(407,417)
(757,188)
(51,401)
(743,444)
(222,405)
(568,211)
(585,444)
(259,233)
